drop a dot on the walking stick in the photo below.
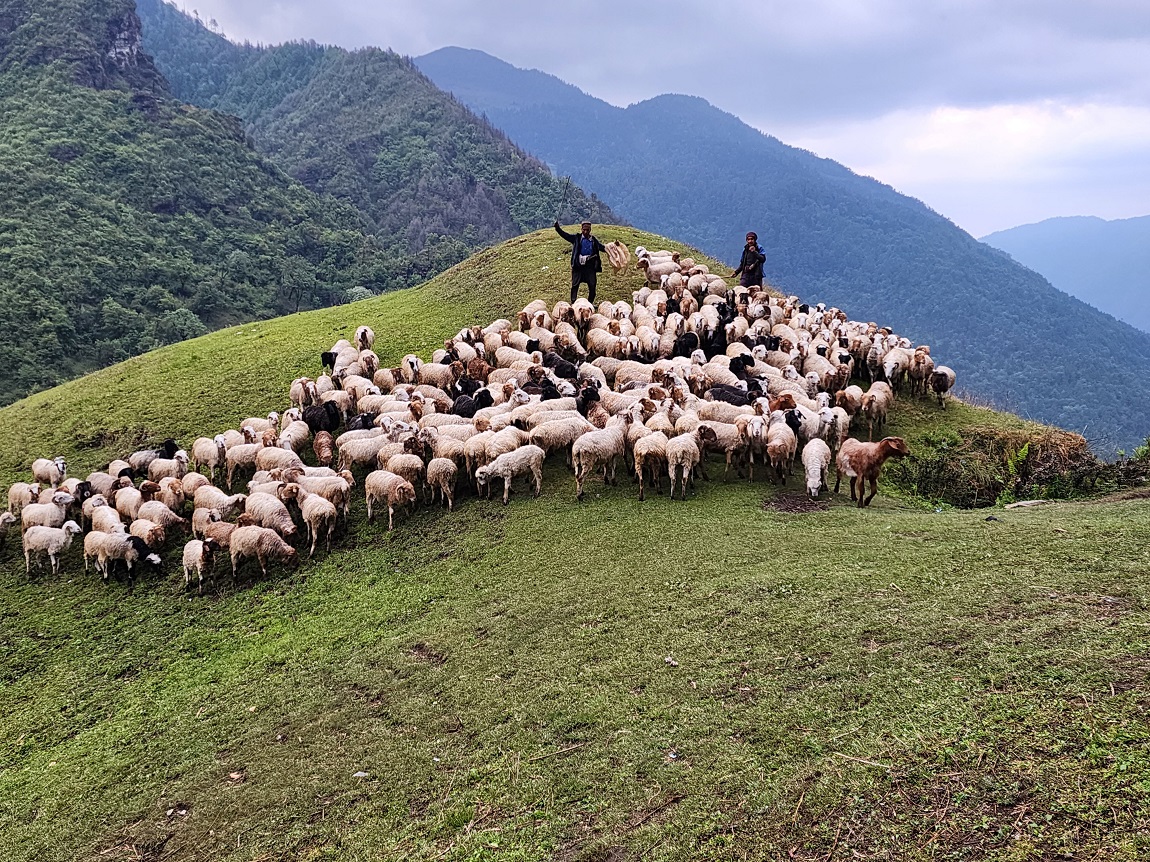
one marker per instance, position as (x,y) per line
(563,199)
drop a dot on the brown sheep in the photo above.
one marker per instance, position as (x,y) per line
(324,447)
(862,462)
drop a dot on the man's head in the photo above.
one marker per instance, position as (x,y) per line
(752,238)
(586,228)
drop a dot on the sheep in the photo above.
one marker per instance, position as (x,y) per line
(21,494)
(442,474)
(555,434)
(364,338)
(721,437)
(262,543)
(318,513)
(295,436)
(200,520)
(599,449)
(816,459)
(650,454)
(875,405)
(361,453)
(50,471)
(155,510)
(140,459)
(268,511)
(50,542)
(199,557)
(273,457)
(152,533)
(172,494)
(941,382)
(410,467)
(382,486)
(210,497)
(519,462)
(862,462)
(324,448)
(782,442)
(106,548)
(242,456)
(51,514)
(175,467)
(682,459)
(221,531)
(192,482)
(105,519)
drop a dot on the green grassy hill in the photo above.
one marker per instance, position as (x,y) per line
(553,680)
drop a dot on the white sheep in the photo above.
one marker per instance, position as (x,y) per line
(210,453)
(381,486)
(318,513)
(51,514)
(442,474)
(50,471)
(816,459)
(199,557)
(527,459)
(106,548)
(50,542)
(599,449)
(21,494)
(270,512)
(174,467)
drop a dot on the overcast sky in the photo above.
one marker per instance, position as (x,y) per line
(993,113)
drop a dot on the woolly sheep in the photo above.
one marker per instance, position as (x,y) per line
(50,542)
(941,382)
(816,459)
(442,474)
(21,494)
(156,511)
(200,520)
(382,486)
(262,543)
(682,459)
(210,497)
(268,511)
(527,459)
(650,454)
(106,548)
(198,557)
(105,519)
(51,514)
(50,471)
(599,450)
(152,533)
(175,467)
(318,514)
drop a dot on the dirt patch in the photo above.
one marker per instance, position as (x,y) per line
(423,652)
(794,504)
(1098,606)
(1130,672)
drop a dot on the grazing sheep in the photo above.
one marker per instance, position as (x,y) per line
(172,494)
(527,459)
(324,448)
(319,514)
(268,511)
(157,512)
(650,454)
(210,497)
(262,543)
(222,531)
(105,519)
(382,486)
(21,494)
(107,548)
(862,462)
(192,482)
(152,533)
(52,514)
(174,467)
(7,522)
(442,474)
(941,382)
(600,449)
(816,459)
(273,457)
(140,459)
(199,557)
(410,467)
(50,542)
(200,520)
(50,472)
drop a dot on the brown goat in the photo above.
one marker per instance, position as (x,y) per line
(862,462)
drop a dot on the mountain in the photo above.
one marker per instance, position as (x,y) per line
(433,181)
(678,166)
(131,219)
(1104,263)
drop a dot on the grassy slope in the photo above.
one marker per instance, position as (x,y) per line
(506,707)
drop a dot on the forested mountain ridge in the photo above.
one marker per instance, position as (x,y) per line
(678,166)
(1105,263)
(131,220)
(433,181)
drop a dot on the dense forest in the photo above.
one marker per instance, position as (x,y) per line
(433,182)
(680,167)
(132,220)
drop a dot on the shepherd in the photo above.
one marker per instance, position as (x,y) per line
(585,261)
(750,269)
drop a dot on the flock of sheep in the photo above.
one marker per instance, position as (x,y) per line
(691,367)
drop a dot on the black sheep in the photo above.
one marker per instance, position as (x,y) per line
(466,405)
(560,366)
(794,421)
(730,394)
(362,422)
(586,398)
(549,390)
(322,417)
(686,344)
(716,345)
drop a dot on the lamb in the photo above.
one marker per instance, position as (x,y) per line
(50,472)
(52,514)
(199,557)
(268,511)
(318,513)
(382,486)
(941,382)
(816,459)
(7,522)
(21,494)
(152,533)
(519,462)
(106,548)
(262,543)
(442,474)
(862,462)
(175,467)
(682,459)
(210,497)
(50,542)
(156,511)
(599,449)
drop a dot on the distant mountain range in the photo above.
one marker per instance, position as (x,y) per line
(678,166)
(1104,263)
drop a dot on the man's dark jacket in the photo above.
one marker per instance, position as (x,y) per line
(594,261)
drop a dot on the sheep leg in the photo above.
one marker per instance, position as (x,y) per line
(873,490)
(390,517)
(671,471)
(506,489)
(838,479)
(28,561)
(579,478)
(370,514)
(537,478)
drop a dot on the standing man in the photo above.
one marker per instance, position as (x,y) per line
(750,269)
(585,262)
